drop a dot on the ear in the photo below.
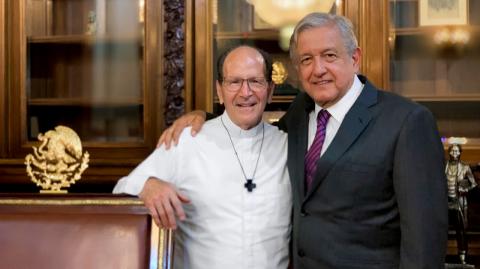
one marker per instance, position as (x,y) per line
(356,58)
(271,88)
(219,92)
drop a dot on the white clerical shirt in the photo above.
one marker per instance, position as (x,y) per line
(226,227)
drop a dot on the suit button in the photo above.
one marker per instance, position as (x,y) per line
(303,213)
(301,253)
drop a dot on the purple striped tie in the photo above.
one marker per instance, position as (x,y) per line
(316,148)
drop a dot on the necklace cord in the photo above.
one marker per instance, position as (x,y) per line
(236,153)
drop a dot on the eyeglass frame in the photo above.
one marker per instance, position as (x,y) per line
(249,80)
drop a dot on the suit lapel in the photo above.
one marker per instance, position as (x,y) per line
(355,121)
(298,138)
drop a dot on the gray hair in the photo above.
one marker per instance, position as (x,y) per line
(316,19)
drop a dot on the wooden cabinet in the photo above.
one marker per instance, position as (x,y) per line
(101,67)
(221,24)
(92,65)
(434,60)
(398,55)
(229,23)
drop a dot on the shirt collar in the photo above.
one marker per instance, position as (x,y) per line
(235,131)
(340,108)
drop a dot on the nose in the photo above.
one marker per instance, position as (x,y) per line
(245,89)
(318,66)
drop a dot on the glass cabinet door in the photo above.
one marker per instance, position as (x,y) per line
(84,68)
(85,64)
(434,60)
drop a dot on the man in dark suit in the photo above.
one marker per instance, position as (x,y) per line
(368,184)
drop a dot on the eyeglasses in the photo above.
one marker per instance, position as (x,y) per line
(254,84)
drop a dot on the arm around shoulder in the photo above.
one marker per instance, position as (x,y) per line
(196,119)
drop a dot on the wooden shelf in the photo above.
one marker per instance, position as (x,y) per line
(446,98)
(75,39)
(84,102)
(283,98)
(429,30)
(408,31)
(260,35)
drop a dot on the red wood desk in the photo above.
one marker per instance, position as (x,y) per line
(80,231)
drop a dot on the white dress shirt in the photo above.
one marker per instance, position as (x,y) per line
(337,114)
(226,227)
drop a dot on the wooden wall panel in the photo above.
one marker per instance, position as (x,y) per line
(3,81)
(370,19)
(203,92)
(189,55)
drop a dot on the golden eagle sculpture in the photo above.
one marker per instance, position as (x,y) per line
(59,160)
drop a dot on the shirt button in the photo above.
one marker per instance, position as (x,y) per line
(301,253)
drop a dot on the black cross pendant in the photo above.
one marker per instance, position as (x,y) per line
(250,185)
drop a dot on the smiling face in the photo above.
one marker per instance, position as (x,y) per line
(325,68)
(244,106)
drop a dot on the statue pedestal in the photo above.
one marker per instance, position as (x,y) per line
(459,266)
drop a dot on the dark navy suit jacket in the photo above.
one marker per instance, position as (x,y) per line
(379,198)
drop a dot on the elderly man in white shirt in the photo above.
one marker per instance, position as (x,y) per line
(229,185)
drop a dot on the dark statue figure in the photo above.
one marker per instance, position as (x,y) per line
(460,180)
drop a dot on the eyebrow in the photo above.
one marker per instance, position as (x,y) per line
(321,52)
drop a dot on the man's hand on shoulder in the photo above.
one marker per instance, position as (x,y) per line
(164,201)
(196,119)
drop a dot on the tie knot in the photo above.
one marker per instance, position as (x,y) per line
(322,117)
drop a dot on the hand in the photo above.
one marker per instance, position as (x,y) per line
(196,119)
(163,201)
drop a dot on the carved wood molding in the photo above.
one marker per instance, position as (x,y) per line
(174,59)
